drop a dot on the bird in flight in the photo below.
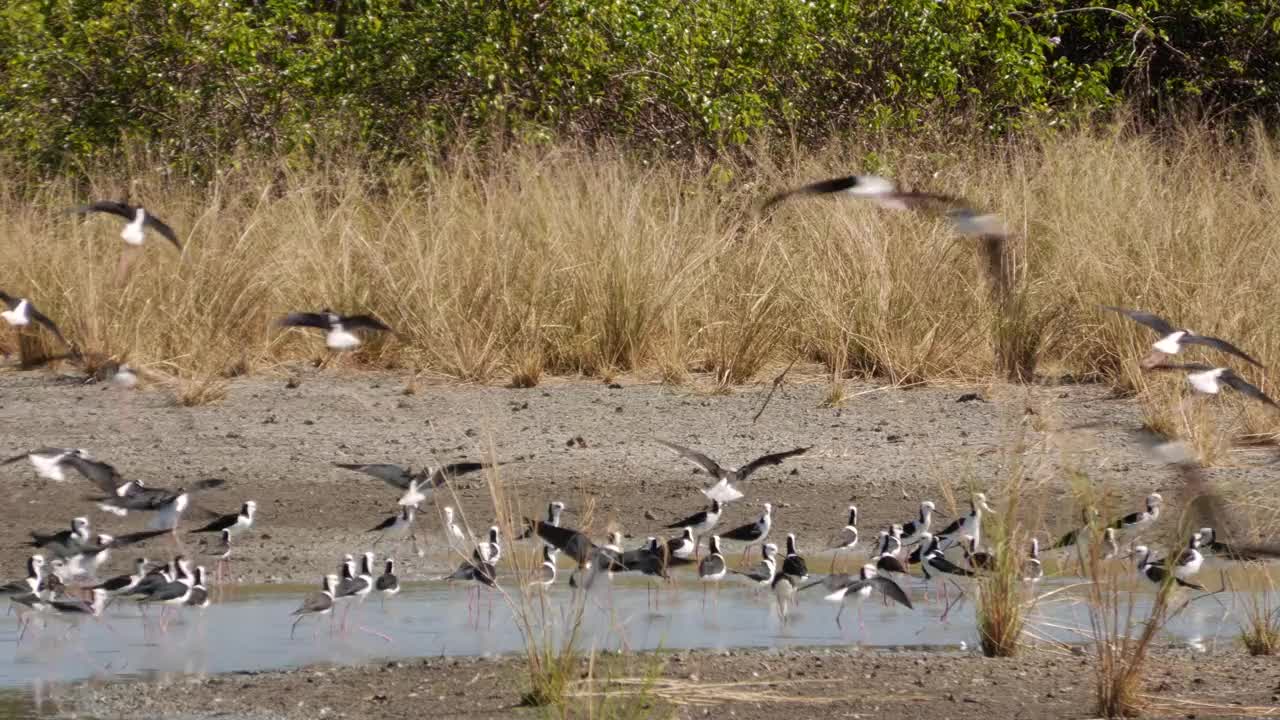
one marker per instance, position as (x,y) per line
(964,217)
(338,328)
(1209,380)
(416,485)
(22,313)
(724,490)
(139,221)
(1172,339)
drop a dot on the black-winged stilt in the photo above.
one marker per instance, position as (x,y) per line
(724,490)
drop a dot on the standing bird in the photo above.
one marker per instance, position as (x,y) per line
(763,573)
(724,489)
(1135,521)
(234,523)
(338,328)
(1032,568)
(753,532)
(1209,380)
(970,524)
(978,559)
(1172,340)
(846,538)
(702,521)
(554,510)
(22,312)
(319,603)
(48,462)
(911,531)
(792,563)
(1190,560)
(199,597)
(712,569)
(417,486)
(387,583)
(65,542)
(29,584)
(397,527)
(222,552)
(784,592)
(545,574)
(1209,541)
(1155,571)
(121,584)
(681,550)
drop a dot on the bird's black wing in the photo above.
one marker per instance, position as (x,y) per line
(208,484)
(222,523)
(795,565)
(99,473)
(941,564)
(168,591)
(116,583)
(694,519)
(1220,344)
(386,582)
(750,531)
(697,458)
(772,459)
(1151,320)
(303,319)
(568,541)
(711,565)
(45,321)
(951,529)
(1245,388)
(1068,539)
(364,322)
(393,475)
(890,589)
(889,563)
(135,538)
(452,470)
(9,300)
(1129,519)
(163,228)
(106,206)
(821,187)
(384,524)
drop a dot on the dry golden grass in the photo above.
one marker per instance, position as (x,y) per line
(562,261)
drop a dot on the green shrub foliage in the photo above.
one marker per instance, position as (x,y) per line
(199,78)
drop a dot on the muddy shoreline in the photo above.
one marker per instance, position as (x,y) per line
(819,682)
(585,443)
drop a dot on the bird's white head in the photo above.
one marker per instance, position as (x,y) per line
(250,507)
(868,571)
(330,582)
(1154,500)
(615,538)
(927,506)
(448,514)
(768,508)
(770,550)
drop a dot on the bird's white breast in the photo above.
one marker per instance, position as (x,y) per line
(1205,382)
(1169,343)
(339,339)
(48,467)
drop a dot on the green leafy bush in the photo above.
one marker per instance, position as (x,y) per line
(200,78)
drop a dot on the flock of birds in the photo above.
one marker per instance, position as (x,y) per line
(48,590)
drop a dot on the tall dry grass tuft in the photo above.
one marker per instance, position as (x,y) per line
(1260,631)
(564,260)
